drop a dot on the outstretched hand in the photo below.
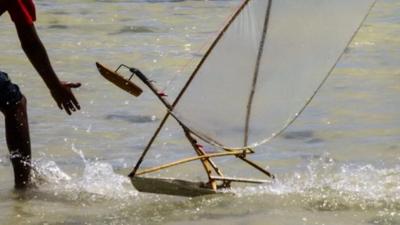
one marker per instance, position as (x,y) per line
(64,97)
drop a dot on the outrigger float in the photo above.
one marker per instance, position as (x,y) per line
(258,75)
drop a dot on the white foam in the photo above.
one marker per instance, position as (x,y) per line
(97,181)
(348,185)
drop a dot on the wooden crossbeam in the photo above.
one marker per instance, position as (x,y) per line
(190,159)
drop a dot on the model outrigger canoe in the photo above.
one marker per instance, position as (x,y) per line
(173,186)
(261,71)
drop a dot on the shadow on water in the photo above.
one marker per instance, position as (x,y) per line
(307,136)
(134,29)
(57,26)
(299,135)
(132,118)
(59,12)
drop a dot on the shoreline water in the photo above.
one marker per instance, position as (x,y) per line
(337,164)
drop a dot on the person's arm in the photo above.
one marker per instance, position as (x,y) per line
(36,52)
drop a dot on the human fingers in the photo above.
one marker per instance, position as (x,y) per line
(73,85)
(75,102)
(57,100)
(73,105)
(59,105)
(67,108)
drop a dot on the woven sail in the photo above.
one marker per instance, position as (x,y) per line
(266,66)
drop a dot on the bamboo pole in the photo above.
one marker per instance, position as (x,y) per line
(186,160)
(206,162)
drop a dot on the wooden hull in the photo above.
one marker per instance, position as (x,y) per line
(119,80)
(171,186)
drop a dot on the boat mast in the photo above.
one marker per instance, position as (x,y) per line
(210,49)
(256,72)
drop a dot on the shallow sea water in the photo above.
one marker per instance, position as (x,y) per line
(337,164)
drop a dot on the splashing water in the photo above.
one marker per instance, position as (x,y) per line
(98,180)
(329,185)
(324,184)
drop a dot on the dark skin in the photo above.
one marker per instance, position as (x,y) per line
(35,51)
(18,142)
(16,118)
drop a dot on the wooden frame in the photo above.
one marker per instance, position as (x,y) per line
(216,178)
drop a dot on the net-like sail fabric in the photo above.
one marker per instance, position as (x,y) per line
(265,68)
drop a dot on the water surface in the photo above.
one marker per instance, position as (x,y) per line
(337,164)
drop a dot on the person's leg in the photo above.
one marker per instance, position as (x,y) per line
(18,142)
(13,106)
